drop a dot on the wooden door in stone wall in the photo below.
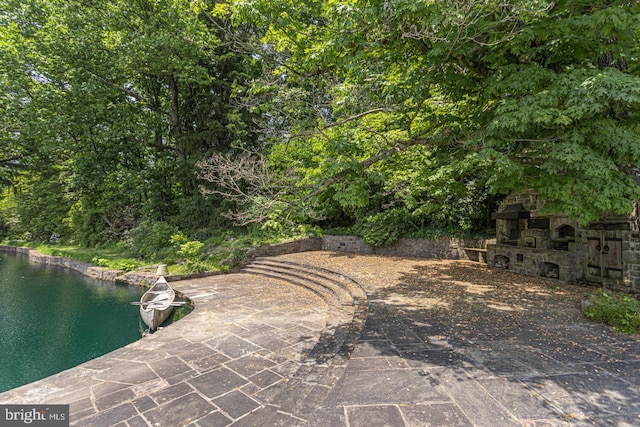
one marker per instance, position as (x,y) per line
(605,256)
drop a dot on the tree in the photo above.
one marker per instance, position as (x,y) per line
(485,93)
(130,95)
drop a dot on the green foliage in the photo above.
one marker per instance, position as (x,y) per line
(128,96)
(9,219)
(192,252)
(223,251)
(87,225)
(116,264)
(151,239)
(619,310)
(191,266)
(449,101)
(110,257)
(178,239)
(385,228)
(400,116)
(42,204)
(576,124)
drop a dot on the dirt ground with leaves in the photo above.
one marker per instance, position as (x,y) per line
(461,290)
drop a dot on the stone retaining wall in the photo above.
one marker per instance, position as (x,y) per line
(631,258)
(303,245)
(443,248)
(15,249)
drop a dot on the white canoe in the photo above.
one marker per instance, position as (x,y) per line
(157,303)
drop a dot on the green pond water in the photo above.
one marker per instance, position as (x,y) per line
(52,319)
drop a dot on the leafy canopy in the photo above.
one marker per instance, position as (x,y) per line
(390,116)
(128,96)
(429,102)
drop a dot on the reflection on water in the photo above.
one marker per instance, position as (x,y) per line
(52,319)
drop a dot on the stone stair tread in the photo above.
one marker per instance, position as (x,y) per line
(326,293)
(345,294)
(351,285)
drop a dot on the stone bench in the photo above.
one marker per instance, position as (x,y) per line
(476,254)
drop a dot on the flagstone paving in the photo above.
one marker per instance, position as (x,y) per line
(444,344)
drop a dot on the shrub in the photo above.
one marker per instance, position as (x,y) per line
(152,238)
(191,250)
(189,267)
(621,311)
(178,239)
(116,264)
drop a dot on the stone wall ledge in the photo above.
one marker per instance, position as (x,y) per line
(442,248)
(294,246)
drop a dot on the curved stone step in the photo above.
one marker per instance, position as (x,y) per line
(357,294)
(303,275)
(341,333)
(346,300)
(354,288)
(337,313)
(324,292)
